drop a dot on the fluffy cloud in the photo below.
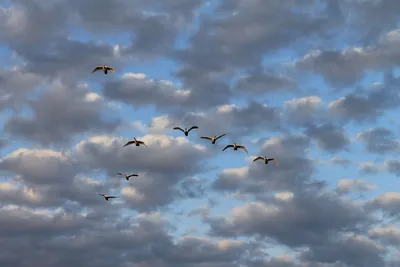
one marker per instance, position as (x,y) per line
(294,80)
(60,113)
(379,140)
(347,186)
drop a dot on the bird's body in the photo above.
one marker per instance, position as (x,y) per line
(186,131)
(106,197)
(127,176)
(103,68)
(236,147)
(266,160)
(213,139)
(136,142)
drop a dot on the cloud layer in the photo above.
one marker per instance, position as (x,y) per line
(313,84)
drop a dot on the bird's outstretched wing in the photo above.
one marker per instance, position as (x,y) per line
(129,143)
(205,137)
(100,194)
(97,68)
(274,160)
(110,68)
(222,135)
(179,128)
(132,175)
(244,148)
(228,146)
(257,159)
(120,173)
(112,197)
(141,143)
(193,127)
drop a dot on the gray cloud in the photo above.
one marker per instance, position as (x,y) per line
(346,186)
(369,105)
(379,140)
(345,68)
(165,167)
(259,82)
(295,176)
(341,161)
(59,114)
(328,137)
(15,86)
(214,55)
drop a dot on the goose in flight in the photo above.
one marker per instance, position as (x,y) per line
(266,160)
(127,176)
(104,68)
(106,197)
(136,142)
(213,139)
(236,147)
(186,131)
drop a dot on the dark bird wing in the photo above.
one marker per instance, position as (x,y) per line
(96,69)
(112,197)
(222,135)
(110,68)
(193,127)
(274,160)
(179,128)
(245,149)
(228,146)
(132,175)
(205,137)
(142,143)
(129,143)
(120,173)
(257,159)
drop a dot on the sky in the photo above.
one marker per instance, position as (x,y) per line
(311,83)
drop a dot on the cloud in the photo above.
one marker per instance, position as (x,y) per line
(60,113)
(15,86)
(347,186)
(345,68)
(379,140)
(259,82)
(302,111)
(166,167)
(367,106)
(328,137)
(289,152)
(340,161)
(298,216)
(388,202)
(290,79)
(138,90)
(391,166)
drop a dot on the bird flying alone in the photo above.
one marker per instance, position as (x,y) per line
(127,176)
(104,68)
(266,160)
(106,197)
(186,131)
(136,142)
(236,147)
(213,139)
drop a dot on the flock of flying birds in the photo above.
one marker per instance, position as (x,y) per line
(186,131)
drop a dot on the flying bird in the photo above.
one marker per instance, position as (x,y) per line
(213,139)
(104,68)
(266,160)
(136,142)
(127,176)
(106,197)
(236,147)
(186,131)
